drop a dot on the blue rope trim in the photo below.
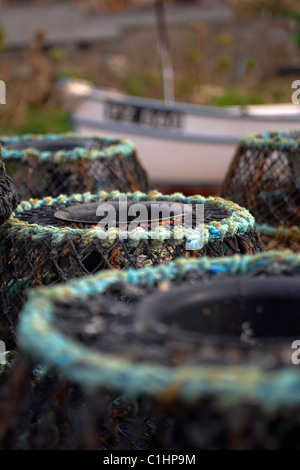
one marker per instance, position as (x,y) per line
(40,339)
(280,232)
(275,140)
(124,147)
(239,222)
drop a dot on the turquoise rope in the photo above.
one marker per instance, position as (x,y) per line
(276,140)
(40,339)
(288,233)
(239,222)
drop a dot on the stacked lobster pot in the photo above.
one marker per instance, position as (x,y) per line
(43,165)
(204,350)
(54,239)
(50,164)
(265,178)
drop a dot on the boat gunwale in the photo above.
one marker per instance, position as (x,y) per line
(154,132)
(230,112)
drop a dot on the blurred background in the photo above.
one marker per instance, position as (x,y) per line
(233,52)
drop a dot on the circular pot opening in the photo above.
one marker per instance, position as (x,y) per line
(245,311)
(108,212)
(47,145)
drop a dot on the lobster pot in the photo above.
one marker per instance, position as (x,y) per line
(43,165)
(55,239)
(203,348)
(264,177)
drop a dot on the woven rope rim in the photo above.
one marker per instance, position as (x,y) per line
(240,221)
(276,140)
(280,232)
(124,147)
(93,370)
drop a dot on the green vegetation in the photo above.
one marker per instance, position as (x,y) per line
(223,62)
(210,67)
(250,64)
(154,77)
(296,38)
(72,73)
(134,84)
(223,39)
(193,56)
(58,54)
(185,86)
(231,97)
(39,120)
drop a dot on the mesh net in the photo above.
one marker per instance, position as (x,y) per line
(51,413)
(38,250)
(45,165)
(265,177)
(185,393)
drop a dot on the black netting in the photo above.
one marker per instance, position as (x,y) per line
(51,414)
(205,425)
(110,168)
(265,178)
(56,416)
(280,242)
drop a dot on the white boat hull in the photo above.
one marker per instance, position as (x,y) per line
(177,162)
(178,143)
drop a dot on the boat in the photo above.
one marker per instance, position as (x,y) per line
(179,144)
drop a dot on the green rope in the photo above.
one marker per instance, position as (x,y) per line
(275,140)
(280,232)
(124,147)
